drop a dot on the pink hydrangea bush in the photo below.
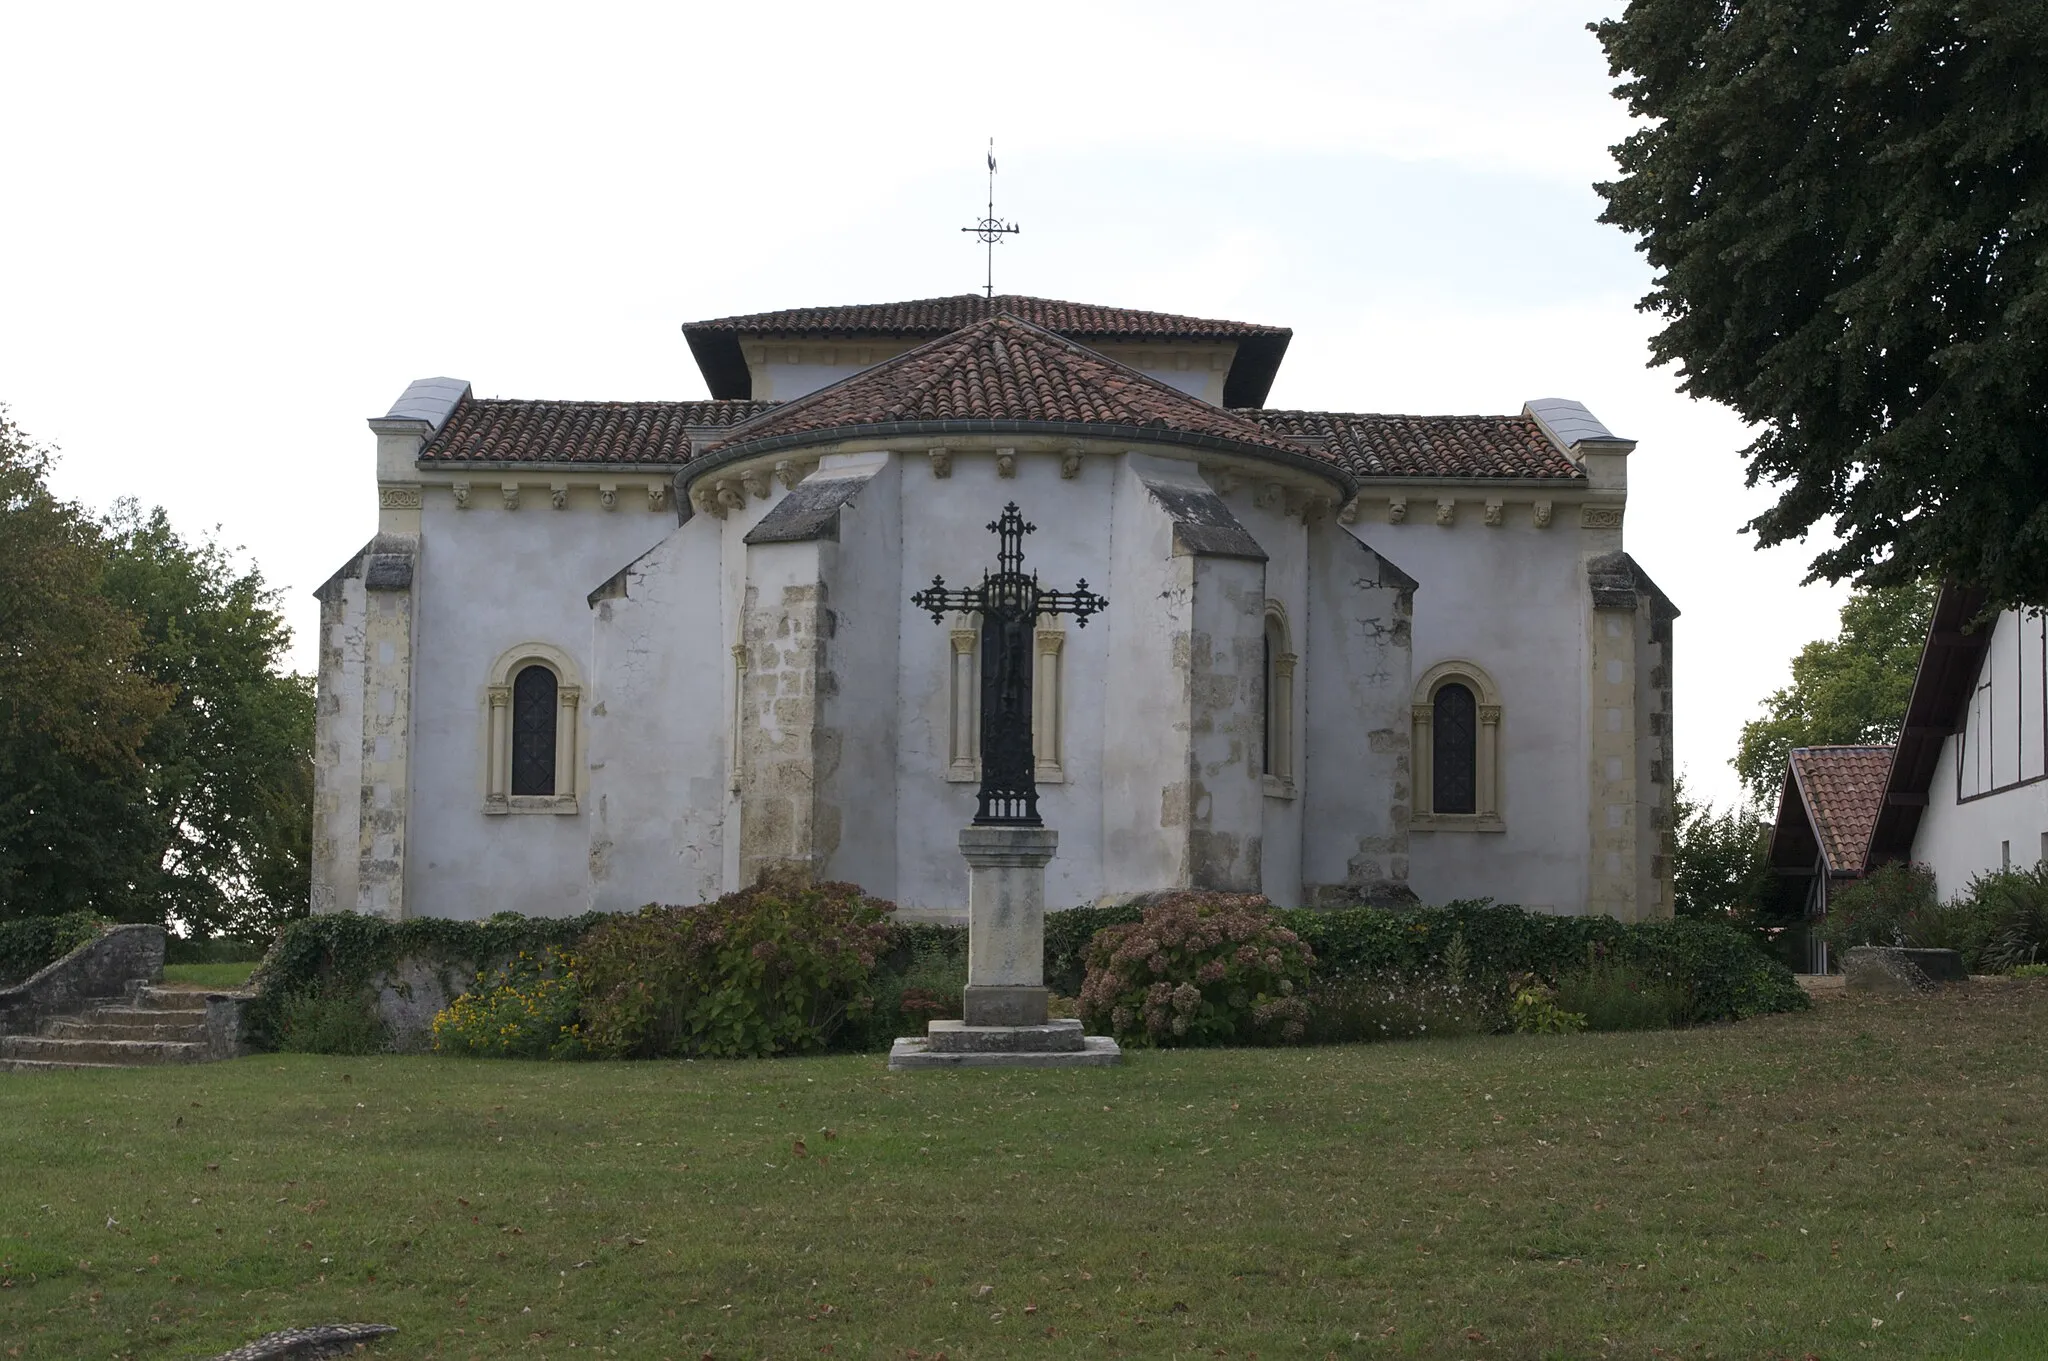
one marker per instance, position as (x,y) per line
(1199,968)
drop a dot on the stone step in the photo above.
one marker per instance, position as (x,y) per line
(125,1053)
(127,1023)
(48,1066)
(170,999)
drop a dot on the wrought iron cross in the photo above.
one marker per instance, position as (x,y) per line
(1010,603)
(991,230)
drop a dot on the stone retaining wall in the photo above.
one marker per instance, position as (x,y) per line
(98,971)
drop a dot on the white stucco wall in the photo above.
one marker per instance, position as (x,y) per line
(1512,600)
(488,580)
(1959,840)
(1146,691)
(945,534)
(658,719)
(864,570)
(1987,805)
(1162,701)
(1355,649)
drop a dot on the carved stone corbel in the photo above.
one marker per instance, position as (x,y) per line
(1543,509)
(510,491)
(1397,510)
(1294,501)
(1600,517)
(558,494)
(461,490)
(1070,464)
(1494,512)
(608,495)
(706,500)
(789,472)
(728,493)
(1006,463)
(754,485)
(1349,514)
(657,495)
(1446,510)
(942,462)
(1226,482)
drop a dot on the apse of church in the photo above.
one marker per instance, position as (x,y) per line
(604,654)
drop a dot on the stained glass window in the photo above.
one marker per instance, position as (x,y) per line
(533,731)
(1454,756)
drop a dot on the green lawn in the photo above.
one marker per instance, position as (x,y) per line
(1868,1179)
(208,975)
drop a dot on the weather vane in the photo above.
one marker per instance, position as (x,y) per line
(992,229)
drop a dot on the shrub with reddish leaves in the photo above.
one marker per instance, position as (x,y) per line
(1199,968)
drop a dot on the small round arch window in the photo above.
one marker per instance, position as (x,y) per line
(1454,755)
(535,713)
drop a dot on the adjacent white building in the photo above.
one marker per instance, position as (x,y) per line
(600,654)
(1964,791)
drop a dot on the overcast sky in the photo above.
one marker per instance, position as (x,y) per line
(232,234)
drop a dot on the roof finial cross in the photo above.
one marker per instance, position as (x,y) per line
(991,229)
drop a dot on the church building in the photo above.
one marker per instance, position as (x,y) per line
(601,654)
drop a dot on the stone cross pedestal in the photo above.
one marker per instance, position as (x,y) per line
(1006,923)
(1004,1004)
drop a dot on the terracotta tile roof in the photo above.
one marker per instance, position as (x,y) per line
(1843,790)
(496,430)
(938,316)
(716,343)
(1004,370)
(1370,446)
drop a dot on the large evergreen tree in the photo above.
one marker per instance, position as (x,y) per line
(1846,202)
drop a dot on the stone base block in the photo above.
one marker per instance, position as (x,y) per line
(1003,1005)
(1096,1051)
(958,1037)
(1876,968)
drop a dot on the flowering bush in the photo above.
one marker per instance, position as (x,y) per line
(1198,968)
(777,968)
(526,1010)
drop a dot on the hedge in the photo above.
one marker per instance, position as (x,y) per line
(1728,975)
(30,943)
(343,952)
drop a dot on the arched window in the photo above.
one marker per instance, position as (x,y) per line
(1277,746)
(533,731)
(1456,751)
(1454,757)
(532,751)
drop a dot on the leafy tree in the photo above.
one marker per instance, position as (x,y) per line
(1850,690)
(76,707)
(155,758)
(1846,202)
(1719,871)
(231,763)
